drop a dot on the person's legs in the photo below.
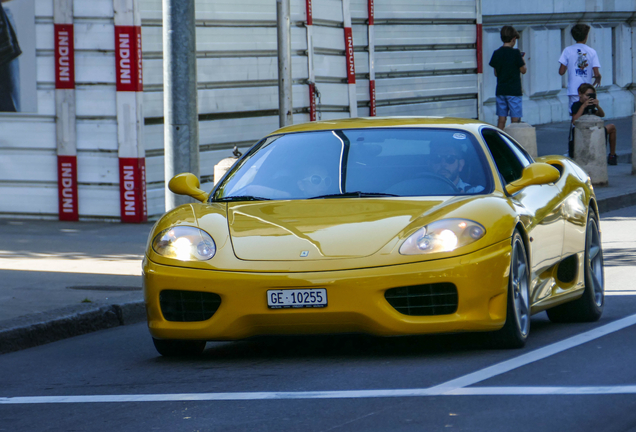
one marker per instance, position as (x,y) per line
(502,111)
(516,111)
(610,130)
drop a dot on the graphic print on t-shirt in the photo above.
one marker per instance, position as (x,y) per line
(581,63)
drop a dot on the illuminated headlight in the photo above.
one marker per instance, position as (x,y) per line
(185,244)
(442,236)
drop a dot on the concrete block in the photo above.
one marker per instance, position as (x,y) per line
(589,148)
(525,135)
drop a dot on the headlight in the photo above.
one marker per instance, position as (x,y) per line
(185,244)
(442,236)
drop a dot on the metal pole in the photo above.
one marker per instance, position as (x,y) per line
(181,126)
(285,105)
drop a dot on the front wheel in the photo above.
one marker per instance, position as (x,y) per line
(178,348)
(515,331)
(589,307)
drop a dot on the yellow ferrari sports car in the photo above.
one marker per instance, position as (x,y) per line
(384,226)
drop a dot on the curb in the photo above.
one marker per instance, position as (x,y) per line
(615,203)
(42,328)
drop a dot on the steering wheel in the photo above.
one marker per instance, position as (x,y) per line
(425,181)
(438,178)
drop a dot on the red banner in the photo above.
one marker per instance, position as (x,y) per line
(371,12)
(67,188)
(310,13)
(132,187)
(478,47)
(312,102)
(128,58)
(351,69)
(64,56)
(372,98)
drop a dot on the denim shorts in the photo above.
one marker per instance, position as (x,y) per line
(509,106)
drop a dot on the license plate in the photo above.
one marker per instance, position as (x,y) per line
(297,298)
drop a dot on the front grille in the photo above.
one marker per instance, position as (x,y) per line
(424,300)
(188,306)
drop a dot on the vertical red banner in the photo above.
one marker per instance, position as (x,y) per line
(371,9)
(132,185)
(351,69)
(312,102)
(310,13)
(67,188)
(128,58)
(372,110)
(64,56)
(478,47)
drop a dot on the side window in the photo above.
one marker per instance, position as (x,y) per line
(521,153)
(508,163)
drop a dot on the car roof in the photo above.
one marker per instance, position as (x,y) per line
(379,122)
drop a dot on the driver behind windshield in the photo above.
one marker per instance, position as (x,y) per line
(449,161)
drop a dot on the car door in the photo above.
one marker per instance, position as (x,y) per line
(541,204)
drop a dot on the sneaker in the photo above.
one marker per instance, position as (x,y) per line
(612,159)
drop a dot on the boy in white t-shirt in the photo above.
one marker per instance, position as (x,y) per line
(580,62)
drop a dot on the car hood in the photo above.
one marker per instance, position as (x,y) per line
(321,229)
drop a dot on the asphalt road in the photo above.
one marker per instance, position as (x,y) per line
(569,377)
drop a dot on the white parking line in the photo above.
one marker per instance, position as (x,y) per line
(455,387)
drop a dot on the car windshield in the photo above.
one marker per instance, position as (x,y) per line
(359,163)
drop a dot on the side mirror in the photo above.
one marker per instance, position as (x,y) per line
(537,173)
(187,184)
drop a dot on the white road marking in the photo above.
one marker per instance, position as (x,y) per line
(533,356)
(352,394)
(455,387)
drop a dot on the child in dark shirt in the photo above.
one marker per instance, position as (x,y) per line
(509,65)
(588,104)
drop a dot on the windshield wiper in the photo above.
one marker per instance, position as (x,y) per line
(356,194)
(242,198)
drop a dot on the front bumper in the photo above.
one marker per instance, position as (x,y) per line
(356,302)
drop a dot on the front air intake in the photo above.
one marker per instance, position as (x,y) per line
(424,300)
(188,306)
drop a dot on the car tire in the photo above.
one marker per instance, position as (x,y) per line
(178,348)
(515,331)
(589,307)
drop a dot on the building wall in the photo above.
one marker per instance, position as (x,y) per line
(545,30)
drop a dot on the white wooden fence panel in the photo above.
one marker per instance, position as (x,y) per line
(412,61)
(44,8)
(328,38)
(100,168)
(97,135)
(404,35)
(44,37)
(27,165)
(228,69)
(327,10)
(225,100)
(99,101)
(430,86)
(457,108)
(30,199)
(46,102)
(425,9)
(228,39)
(18,134)
(93,8)
(100,201)
(330,66)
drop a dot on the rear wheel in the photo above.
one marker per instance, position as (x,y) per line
(589,307)
(517,327)
(178,348)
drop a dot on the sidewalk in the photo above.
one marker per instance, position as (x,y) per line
(62,279)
